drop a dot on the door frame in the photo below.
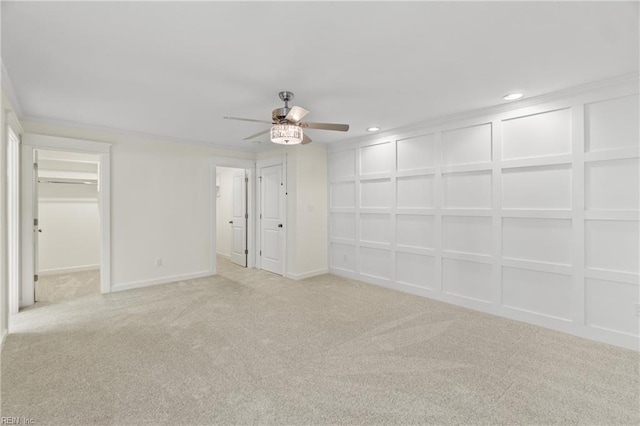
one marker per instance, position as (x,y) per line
(268,162)
(250,167)
(32,142)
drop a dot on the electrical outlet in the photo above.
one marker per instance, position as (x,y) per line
(159,261)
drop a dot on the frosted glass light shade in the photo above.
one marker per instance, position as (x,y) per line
(286,134)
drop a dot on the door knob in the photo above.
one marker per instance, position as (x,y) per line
(279,225)
(230,221)
(39,230)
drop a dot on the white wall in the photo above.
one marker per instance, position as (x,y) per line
(69,217)
(529,213)
(224,210)
(161,205)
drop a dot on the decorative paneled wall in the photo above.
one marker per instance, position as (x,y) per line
(530,214)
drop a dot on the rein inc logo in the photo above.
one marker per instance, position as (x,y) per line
(16,421)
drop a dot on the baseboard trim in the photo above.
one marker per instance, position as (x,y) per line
(157,281)
(309,274)
(3,338)
(68,270)
(561,325)
(226,256)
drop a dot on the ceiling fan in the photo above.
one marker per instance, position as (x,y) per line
(287,125)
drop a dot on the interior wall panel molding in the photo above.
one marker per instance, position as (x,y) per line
(529,212)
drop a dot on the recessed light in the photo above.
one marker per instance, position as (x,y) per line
(373,129)
(512,96)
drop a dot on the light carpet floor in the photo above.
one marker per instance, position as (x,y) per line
(59,287)
(249,347)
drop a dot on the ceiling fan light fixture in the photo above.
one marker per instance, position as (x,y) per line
(286,134)
(373,129)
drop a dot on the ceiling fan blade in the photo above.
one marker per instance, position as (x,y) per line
(257,134)
(326,126)
(296,114)
(248,119)
(305,139)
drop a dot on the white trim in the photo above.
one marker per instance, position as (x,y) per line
(309,274)
(157,281)
(3,338)
(250,167)
(33,141)
(69,270)
(226,256)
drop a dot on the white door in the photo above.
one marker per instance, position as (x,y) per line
(271,215)
(239,219)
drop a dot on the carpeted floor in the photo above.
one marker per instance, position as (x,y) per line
(59,287)
(248,347)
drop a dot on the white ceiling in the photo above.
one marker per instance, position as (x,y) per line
(174,69)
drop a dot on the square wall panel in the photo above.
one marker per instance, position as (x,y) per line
(467,190)
(415,153)
(612,185)
(612,124)
(537,188)
(415,192)
(468,279)
(415,269)
(415,230)
(466,234)
(343,195)
(612,245)
(343,256)
(467,146)
(375,228)
(538,135)
(538,240)
(376,158)
(343,164)
(612,306)
(375,193)
(343,225)
(375,262)
(542,293)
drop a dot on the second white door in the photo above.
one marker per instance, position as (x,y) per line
(271,218)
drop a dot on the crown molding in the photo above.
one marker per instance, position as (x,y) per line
(10,91)
(134,134)
(631,80)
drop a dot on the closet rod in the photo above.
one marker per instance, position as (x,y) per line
(69,182)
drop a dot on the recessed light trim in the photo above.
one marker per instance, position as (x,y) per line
(512,96)
(373,129)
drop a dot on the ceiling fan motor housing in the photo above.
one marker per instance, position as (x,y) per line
(279,114)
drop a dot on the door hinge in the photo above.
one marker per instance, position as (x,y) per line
(246,180)
(246,251)
(260,252)
(35,278)
(35,166)
(260,215)
(246,215)
(35,222)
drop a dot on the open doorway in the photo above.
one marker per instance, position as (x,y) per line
(232,216)
(81,171)
(67,244)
